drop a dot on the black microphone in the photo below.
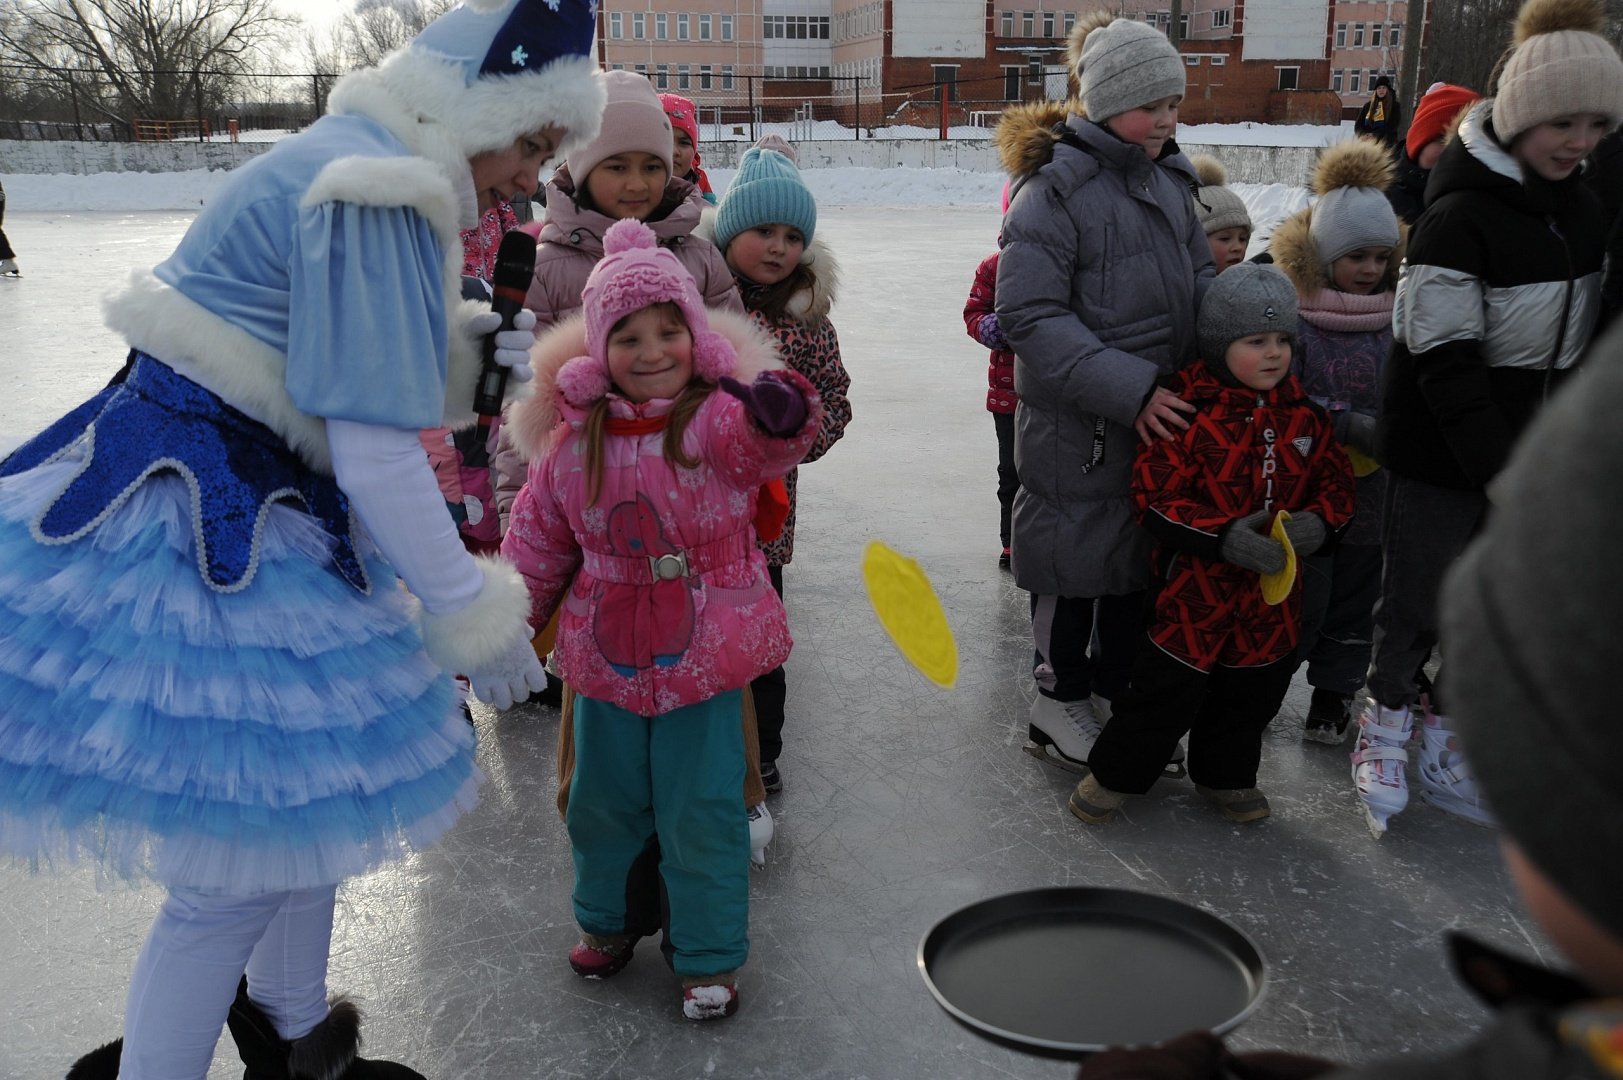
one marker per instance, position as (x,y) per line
(515,265)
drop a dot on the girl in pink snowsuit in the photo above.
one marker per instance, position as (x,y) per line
(637,521)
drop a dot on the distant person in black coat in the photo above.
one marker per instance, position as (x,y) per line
(1382,117)
(8,258)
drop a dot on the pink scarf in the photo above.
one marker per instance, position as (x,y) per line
(1346,313)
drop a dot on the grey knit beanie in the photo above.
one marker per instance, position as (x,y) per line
(1125,64)
(1561,65)
(1349,218)
(1217,206)
(1529,625)
(1245,299)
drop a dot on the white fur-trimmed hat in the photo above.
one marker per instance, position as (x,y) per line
(490,71)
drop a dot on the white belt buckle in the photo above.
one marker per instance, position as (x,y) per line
(668,567)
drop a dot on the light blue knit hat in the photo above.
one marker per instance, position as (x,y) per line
(767,190)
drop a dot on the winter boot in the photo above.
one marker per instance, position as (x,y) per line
(771,778)
(327,1052)
(1445,775)
(597,956)
(1237,804)
(760,819)
(709,997)
(1328,714)
(1380,763)
(1094,803)
(1062,733)
(100,1064)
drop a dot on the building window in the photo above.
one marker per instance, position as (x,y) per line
(946,75)
(615,24)
(1034,70)
(1335,80)
(1192,60)
(1219,59)
(1028,24)
(1183,27)
(1392,38)
(1011,84)
(1220,19)
(1008,24)
(1341,35)
(704,76)
(1355,81)
(1358,36)
(726,28)
(660,23)
(681,28)
(726,74)
(639,25)
(1070,22)
(1048,24)
(682,81)
(642,69)
(704,28)
(662,77)
(1287,77)
(1375,36)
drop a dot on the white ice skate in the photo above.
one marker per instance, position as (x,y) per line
(1380,763)
(1062,733)
(8,268)
(760,819)
(1445,775)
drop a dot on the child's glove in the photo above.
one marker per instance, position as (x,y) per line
(1242,545)
(1357,430)
(989,332)
(1306,531)
(772,402)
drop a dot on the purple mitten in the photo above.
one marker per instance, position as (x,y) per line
(990,332)
(774,403)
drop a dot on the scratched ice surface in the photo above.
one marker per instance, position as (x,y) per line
(901,802)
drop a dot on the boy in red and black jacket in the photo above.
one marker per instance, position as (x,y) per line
(1219,657)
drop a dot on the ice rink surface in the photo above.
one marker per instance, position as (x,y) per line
(901,802)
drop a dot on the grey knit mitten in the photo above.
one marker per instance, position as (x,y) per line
(1357,430)
(1242,545)
(1306,531)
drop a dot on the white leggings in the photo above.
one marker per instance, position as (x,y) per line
(186,976)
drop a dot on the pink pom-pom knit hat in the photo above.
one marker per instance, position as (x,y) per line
(634,273)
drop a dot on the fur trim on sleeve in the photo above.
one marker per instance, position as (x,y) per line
(471,639)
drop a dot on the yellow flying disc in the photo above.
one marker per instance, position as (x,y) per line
(1275,587)
(910,612)
(1362,463)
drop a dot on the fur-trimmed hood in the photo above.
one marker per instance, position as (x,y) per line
(1295,253)
(807,305)
(1026,134)
(532,424)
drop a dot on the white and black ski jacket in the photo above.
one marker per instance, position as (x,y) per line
(1496,303)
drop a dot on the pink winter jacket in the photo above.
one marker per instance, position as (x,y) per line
(626,637)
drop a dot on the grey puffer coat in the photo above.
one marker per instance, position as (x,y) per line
(1103,267)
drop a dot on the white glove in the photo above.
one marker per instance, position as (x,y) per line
(512,346)
(511,677)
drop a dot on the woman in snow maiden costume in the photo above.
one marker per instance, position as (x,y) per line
(208,673)
(637,521)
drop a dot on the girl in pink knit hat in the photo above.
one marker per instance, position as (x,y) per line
(637,523)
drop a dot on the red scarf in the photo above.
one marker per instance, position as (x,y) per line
(771,503)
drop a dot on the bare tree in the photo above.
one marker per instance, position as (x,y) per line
(151,58)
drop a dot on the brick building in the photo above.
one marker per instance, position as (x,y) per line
(873,61)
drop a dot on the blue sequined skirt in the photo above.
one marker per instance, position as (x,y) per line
(287,734)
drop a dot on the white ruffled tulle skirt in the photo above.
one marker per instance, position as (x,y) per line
(285,736)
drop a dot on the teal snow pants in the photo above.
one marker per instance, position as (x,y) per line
(677,777)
